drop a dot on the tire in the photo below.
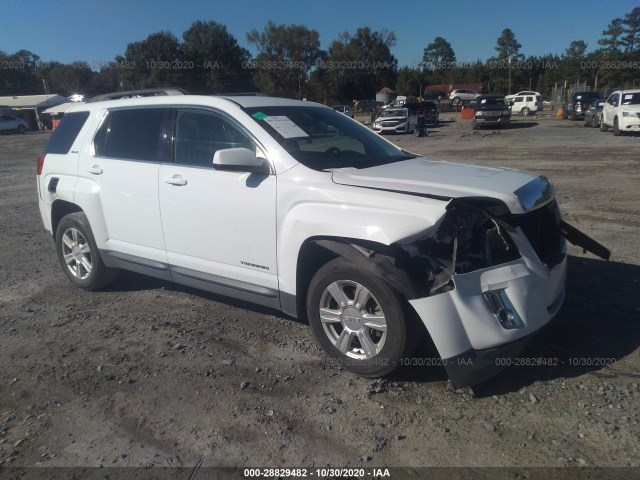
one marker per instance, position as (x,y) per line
(616,128)
(79,256)
(369,351)
(603,127)
(525,111)
(474,125)
(21,129)
(586,122)
(594,123)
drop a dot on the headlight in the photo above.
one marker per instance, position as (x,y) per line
(629,114)
(479,114)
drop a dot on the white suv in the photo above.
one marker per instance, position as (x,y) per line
(526,103)
(295,206)
(621,112)
(463,95)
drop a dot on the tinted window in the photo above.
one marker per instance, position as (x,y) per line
(199,135)
(66,133)
(132,134)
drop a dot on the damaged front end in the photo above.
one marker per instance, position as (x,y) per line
(493,279)
(483,279)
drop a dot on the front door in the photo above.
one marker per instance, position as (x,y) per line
(219,226)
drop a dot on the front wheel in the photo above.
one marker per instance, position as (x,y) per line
(21,129)
(78,254)
(357,318)
(616,128)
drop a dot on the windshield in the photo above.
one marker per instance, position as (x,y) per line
(631,98)
(492,101)
(321,138)
(394,112)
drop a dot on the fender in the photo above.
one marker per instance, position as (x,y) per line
(345,212)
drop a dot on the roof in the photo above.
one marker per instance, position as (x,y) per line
(63,107)
(32,101)
(225,102)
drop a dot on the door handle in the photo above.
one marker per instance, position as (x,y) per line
(95,169)
(176,180)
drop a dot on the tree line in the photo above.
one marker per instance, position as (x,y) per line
(290,63)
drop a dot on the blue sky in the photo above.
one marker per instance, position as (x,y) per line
(95,31)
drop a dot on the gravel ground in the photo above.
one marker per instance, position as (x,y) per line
(153,374)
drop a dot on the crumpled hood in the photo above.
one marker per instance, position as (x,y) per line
(451,180)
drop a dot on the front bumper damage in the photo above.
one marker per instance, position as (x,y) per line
(480,319)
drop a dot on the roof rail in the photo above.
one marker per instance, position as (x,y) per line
(148,92)
(240,94)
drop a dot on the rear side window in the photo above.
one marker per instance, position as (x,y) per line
(134,134)
(66,133)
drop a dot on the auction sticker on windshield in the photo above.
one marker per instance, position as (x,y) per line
(285,127)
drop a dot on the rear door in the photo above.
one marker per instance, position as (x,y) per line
(120,182)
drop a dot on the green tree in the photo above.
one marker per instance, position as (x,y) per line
(213,60)
(359,65)
(507,46)
(153,62)
(67,79)
(612,36)
(631,22)
(409,82)
(287,56)
(576,50)
(22,75)
(438,52)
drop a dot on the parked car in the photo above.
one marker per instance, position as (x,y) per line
(462,95)
(346,109)
(291,205)
(524,93)
(435,95)
(525,104)
(621,112)
(426,110)
(492,110)
(578,103)
(366,106)
(9,123)
(593,115)
(395,120)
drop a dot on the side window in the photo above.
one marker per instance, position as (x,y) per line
(134,134)
(529,99)
(518,99)
(66,133)
(199,135)
(613,99)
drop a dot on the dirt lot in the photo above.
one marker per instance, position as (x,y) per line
(153,374)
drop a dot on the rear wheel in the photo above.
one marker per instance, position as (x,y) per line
(79,256)
(594,122)
(525,111)
(357,318)
(21,129)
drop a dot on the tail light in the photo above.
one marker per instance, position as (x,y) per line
(41,162)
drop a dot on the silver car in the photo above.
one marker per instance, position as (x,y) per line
(9,123)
